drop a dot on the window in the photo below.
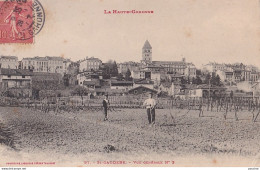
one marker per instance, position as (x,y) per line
(23,77)
(135,92)
(9,76)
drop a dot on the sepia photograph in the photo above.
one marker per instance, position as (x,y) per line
(129,83)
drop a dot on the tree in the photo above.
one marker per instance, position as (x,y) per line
(120,76)
(207,79)
(183,80)
(217,81)
(114,70)
(198,80)
(66,80)
(105,71)
(198,72)
(128,75)
(194,81)
(109,69)
(213,80)
(188,80)
(80,91)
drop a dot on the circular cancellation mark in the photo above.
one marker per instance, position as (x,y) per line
(39,16)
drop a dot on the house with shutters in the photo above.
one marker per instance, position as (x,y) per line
(16,82)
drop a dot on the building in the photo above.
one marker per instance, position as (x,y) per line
(154,67)
(88,76)
(157,77)
(141,74)
(170,88)
(176,78)
(205,90)
(121,85)
(146,53)
(93,84)
(190,70)
(90,64)
(44,64)
(173,66)
(254,76)
(16,82)
(66,64)
(145,83)
(132,66)
(9,62)
(226,76)
(213,67)
(141,90)
(238,74)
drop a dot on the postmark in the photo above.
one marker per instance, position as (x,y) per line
(20,20)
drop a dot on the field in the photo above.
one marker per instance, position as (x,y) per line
(181,136)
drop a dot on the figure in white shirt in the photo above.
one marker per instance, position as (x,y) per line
(150,104)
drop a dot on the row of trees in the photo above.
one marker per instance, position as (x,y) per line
(207,79)
(110,69)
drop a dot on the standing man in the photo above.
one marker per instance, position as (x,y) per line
(105,106)
(150,108)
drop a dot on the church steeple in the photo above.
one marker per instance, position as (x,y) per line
(147,52)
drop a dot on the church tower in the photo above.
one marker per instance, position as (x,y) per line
(147,53)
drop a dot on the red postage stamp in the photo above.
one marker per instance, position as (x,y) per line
(16,21)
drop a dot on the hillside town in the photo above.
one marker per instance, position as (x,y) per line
(39,77)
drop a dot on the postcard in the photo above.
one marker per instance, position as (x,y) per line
(129,83)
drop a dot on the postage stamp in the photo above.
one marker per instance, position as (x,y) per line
(20,20)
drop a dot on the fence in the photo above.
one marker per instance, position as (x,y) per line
(74,103)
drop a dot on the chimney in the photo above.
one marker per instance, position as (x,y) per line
(183,60)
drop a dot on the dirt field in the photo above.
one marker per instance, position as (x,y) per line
(178,135)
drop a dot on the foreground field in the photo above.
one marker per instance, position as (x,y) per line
(178,135)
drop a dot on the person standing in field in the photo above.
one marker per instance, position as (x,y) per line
(105,106)
(150,108)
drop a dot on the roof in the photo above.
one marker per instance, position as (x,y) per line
(40,76)
(18,72)
(147,45)
(129,63)
(206,86)
(255,84)
(169,62)
(181,93)
(107,90)
(166,84)
(177,75)
(154,65)
(91,58)
(92,83)
(142,87)
(54,58)
(143,81)
(36,58)
(121,82)
(47,58)
(9,57)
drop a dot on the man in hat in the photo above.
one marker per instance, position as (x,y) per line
(105,106)
(150,108)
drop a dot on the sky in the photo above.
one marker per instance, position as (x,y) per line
(202,31)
